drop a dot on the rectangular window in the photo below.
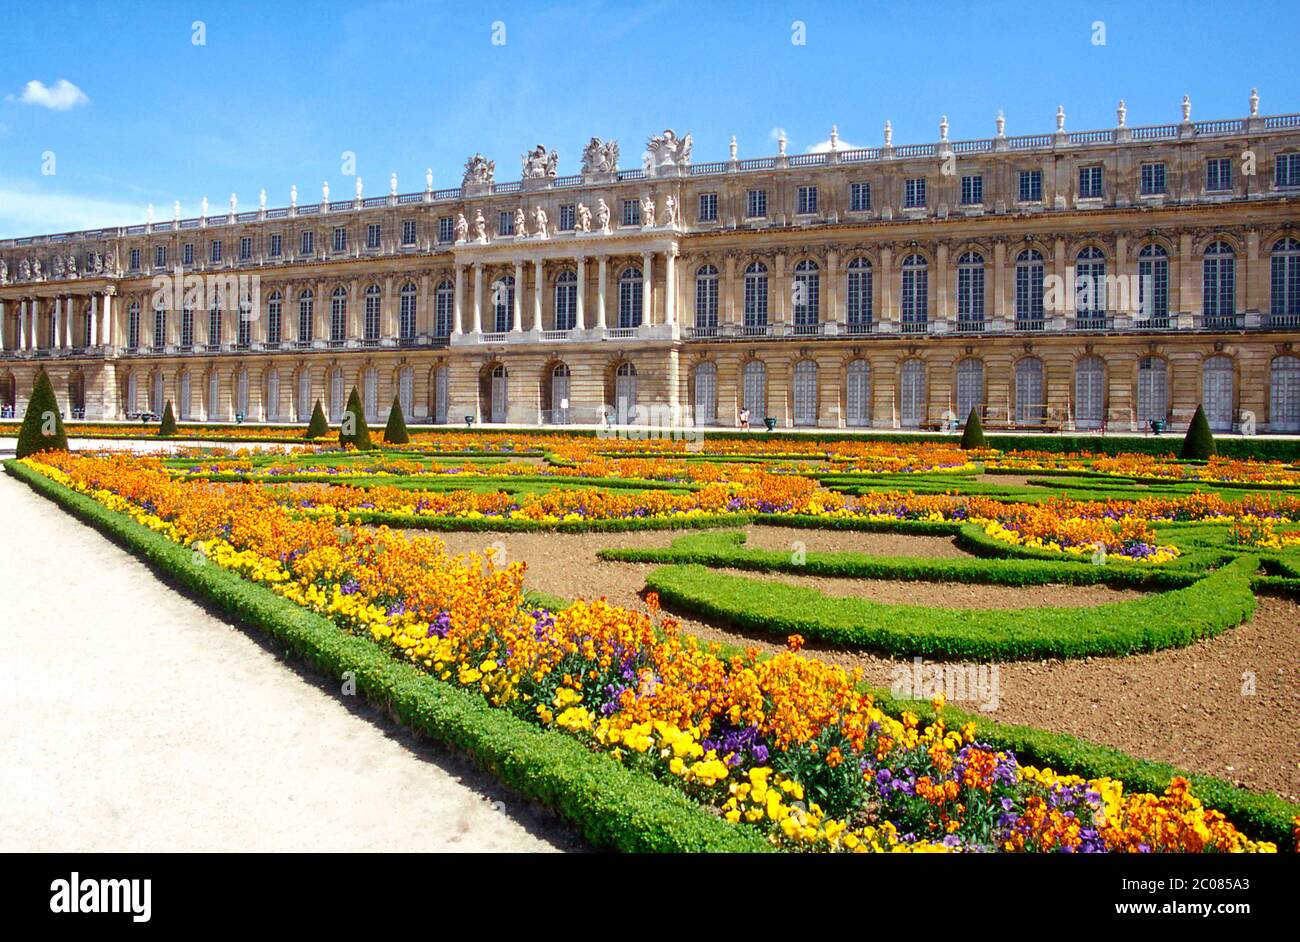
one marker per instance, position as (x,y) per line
(245,248)
(1031,186)
(807,201)
(972,190)
(160,256)
(505,224)
(135,260)
(756,204)
(1218,174)
(914,193)
(859,197)
(188,254)
(708,207)
(446,230)
(340,239)
(277,246)
(372,235)
(631,213)
(215,254)
(308,244)
(568,217)
(1089,183)
(1286,170)
(1153,179)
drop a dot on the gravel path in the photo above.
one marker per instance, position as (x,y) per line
(135,720)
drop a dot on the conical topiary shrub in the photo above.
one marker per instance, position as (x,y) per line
(317,426)
(1198,445)
(353,430)
(42,428)
(395,431)
(973,435)
(168,426)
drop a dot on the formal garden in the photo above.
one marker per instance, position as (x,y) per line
(754,642)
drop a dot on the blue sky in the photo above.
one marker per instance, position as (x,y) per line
(279,91)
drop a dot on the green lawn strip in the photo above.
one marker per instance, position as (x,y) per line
(611,805)
(1175,618)
(725,549)
(521,525)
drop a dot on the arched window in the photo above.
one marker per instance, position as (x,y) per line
(629,298)
(706,298)
(1284,394)
(1219,281)
(372,315)
(754,393)
(560,381)
(970,289)
(857,394)
(499,393)
(441,387)
(215,411)
(805,297)
(274,318)
(1031,407)
(1153,285)
(805,393)
(244,325)
(625,394)
(1029,290)
(338,395)
(187,324)
(305,403)
(132,390)
(444,310)
(1089,392)
(214,323)
(566,300)
(756,297)
(406,303)
(970,388)
(1217,392)
(183,396)
(132,327)
(406,389)
(339,316)
(858,297)
(911,388)
(159,327)
(1090,284)
(915,296)
(370,392)
(1153,391)
(241,393)
(306,319)
(1284,283)
(706,393)
(503,303)
(272,404)
(156,394)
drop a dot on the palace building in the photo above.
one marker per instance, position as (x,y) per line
(1065,280)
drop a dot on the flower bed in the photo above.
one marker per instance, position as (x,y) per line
(787,746)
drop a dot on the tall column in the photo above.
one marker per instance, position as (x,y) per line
(537,294)
(478,297)
(386,322)
(999,279)
(517,322)
(885,309)
(424,312)
(601,272)
(92,338)
(1187,294)
(670,286)
(941,271)
(782,290)
(355,314)
(647,288)
(1121,276)
(833,287)
(2,326)
(578,322)
(22,323)
(55,342)
(730,314)
(106,336)
(457,306)
(69,310)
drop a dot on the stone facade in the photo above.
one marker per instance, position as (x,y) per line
(1063,280)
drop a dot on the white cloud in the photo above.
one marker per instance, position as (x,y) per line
(60,96)
(27,210)
(822,147)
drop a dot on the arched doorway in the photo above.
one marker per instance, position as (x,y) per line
(706,393)
(494,393)
(555,394)
(77,395)
(1217,392)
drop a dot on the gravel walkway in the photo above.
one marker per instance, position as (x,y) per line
(135,720)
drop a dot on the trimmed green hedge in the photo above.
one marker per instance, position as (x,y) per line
(517,525)
(1170,619)
(610,804)
(726,549)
